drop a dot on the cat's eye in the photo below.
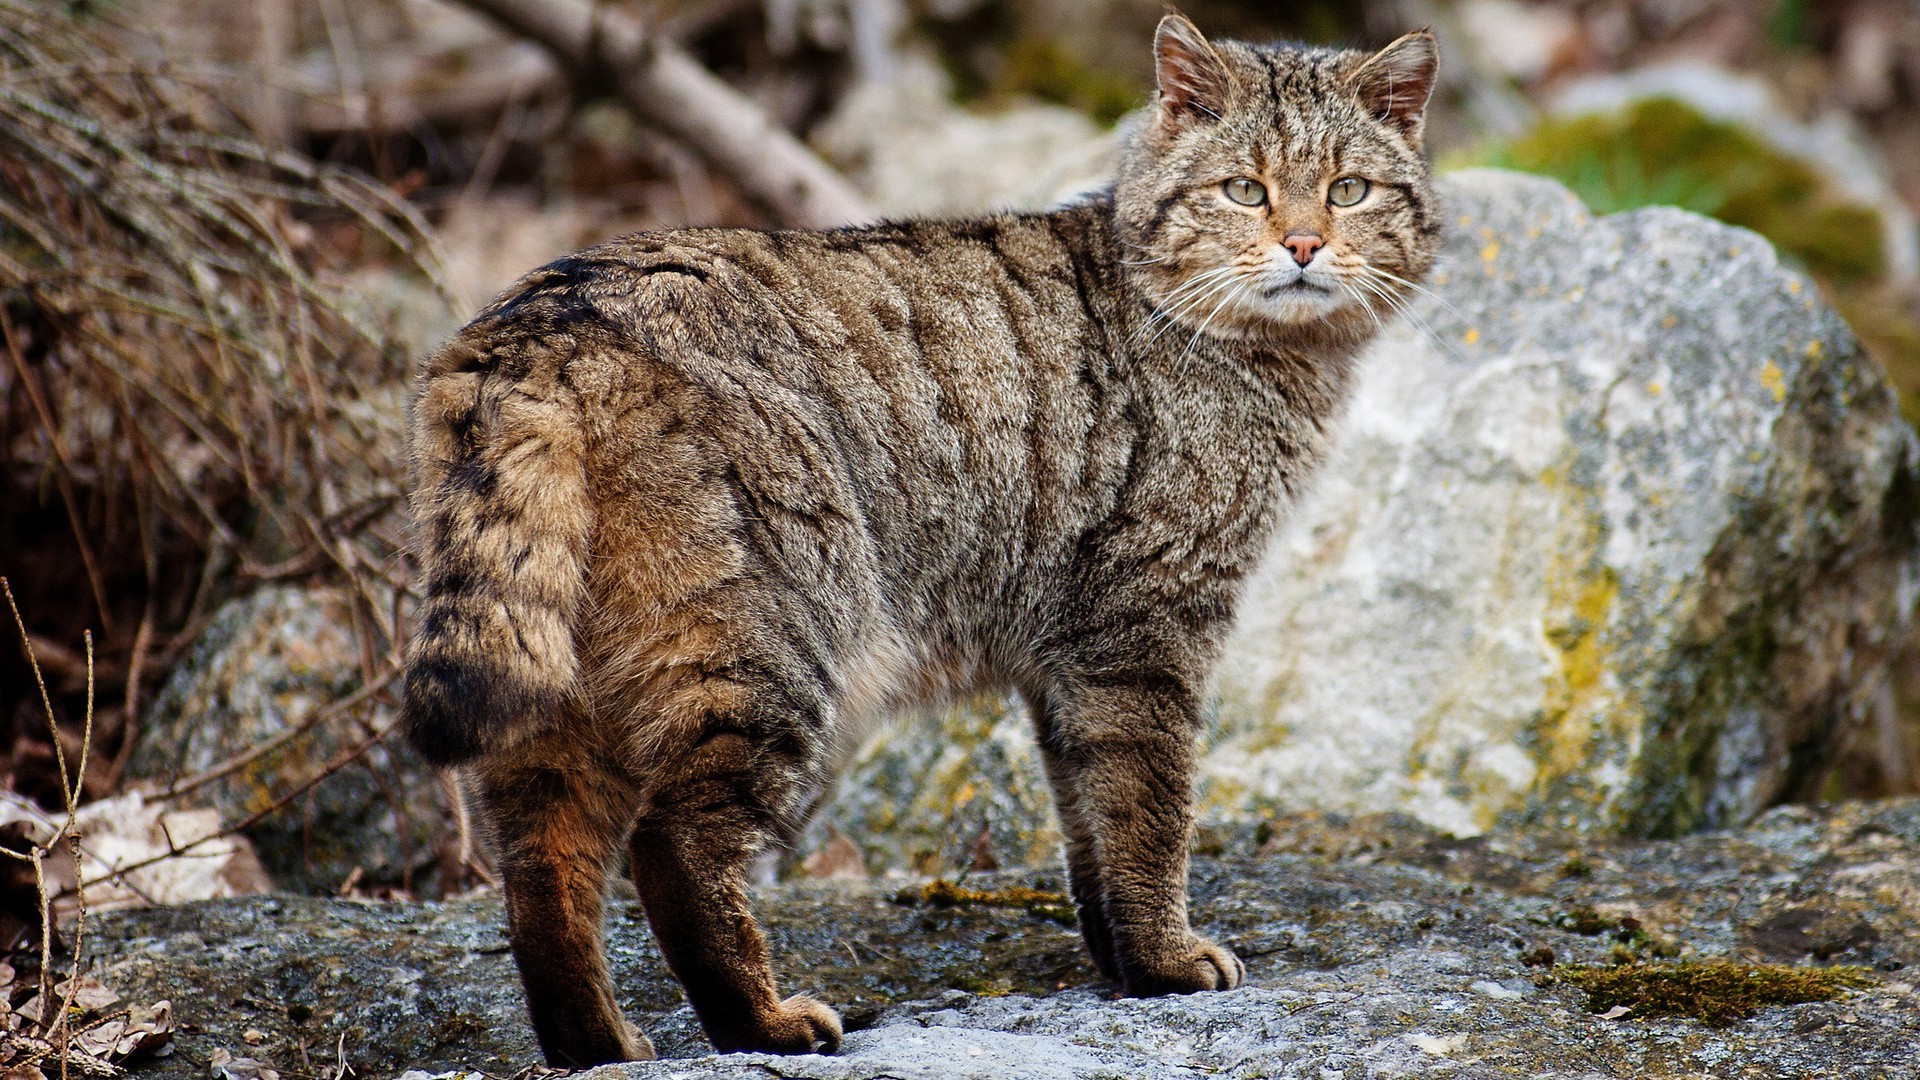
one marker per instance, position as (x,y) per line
(1347,191)
(1246,192)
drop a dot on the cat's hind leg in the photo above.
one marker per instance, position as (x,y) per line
(556,820)
(715,806)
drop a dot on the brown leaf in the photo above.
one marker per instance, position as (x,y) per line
(99,1041)
(838,859)
(23,1072)
(86,994)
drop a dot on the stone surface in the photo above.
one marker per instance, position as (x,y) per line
(1374,947)
(912,151)
(1618,534)
(267,660)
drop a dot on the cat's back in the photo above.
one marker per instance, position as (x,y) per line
(994,288)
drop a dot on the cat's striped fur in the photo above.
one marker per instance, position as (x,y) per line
(693,502)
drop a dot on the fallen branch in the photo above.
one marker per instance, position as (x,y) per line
(670,90)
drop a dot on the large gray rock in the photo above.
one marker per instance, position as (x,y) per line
(1619,533)
(267,661)
(1374,948)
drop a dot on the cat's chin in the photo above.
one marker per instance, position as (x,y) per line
(1293,305)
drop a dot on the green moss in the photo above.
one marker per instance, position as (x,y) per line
(1888,322)
(943,893)
(1715,992)
(1039,68)
(1583,919)
(1662,152)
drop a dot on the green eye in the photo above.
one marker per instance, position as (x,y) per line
(1347,190)
(1246,192)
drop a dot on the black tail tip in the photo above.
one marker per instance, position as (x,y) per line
(455,711)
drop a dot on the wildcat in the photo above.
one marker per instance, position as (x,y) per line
(692,503)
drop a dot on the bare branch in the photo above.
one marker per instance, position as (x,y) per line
(670,90)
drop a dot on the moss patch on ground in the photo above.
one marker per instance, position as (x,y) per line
(943,893)
(1715,992)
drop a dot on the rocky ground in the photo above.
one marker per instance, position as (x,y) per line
(1374,948)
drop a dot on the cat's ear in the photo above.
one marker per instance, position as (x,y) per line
(1395,82)
(1192,78)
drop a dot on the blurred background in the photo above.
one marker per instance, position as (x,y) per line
(201,411)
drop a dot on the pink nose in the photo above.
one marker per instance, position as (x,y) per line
(1303,245)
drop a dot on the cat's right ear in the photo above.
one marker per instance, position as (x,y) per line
(1192,79)
(1395,82)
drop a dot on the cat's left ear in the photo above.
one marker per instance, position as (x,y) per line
(1395,82)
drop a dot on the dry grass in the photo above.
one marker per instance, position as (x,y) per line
(180,383)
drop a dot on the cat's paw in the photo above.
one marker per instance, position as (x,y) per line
(1196,965)
(803,1026)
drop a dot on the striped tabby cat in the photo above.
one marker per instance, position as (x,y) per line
(693,503)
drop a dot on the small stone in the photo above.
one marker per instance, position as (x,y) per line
(1489,988)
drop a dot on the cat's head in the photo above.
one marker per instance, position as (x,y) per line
(1277,186)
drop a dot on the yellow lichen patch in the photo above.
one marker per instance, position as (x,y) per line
(1670,321)
(1572,703)
(1774,380)
(1471,336)
(1654,387)
(1793,287)
(1717,993)
(1814,349)
(1490,252)
(1578,705)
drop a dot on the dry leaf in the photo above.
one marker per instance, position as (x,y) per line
(838,859)
(254,1036)
(100,1040)
(23,1072)
(87,995)
(1615,1013)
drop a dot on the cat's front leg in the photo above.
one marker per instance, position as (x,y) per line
(1123,749)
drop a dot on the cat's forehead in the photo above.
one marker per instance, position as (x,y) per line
(1295,102)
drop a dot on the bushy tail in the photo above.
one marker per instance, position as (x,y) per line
(504,519)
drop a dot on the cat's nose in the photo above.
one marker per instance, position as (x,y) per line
(1303,245)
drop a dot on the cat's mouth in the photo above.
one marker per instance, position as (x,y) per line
(1299,286)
